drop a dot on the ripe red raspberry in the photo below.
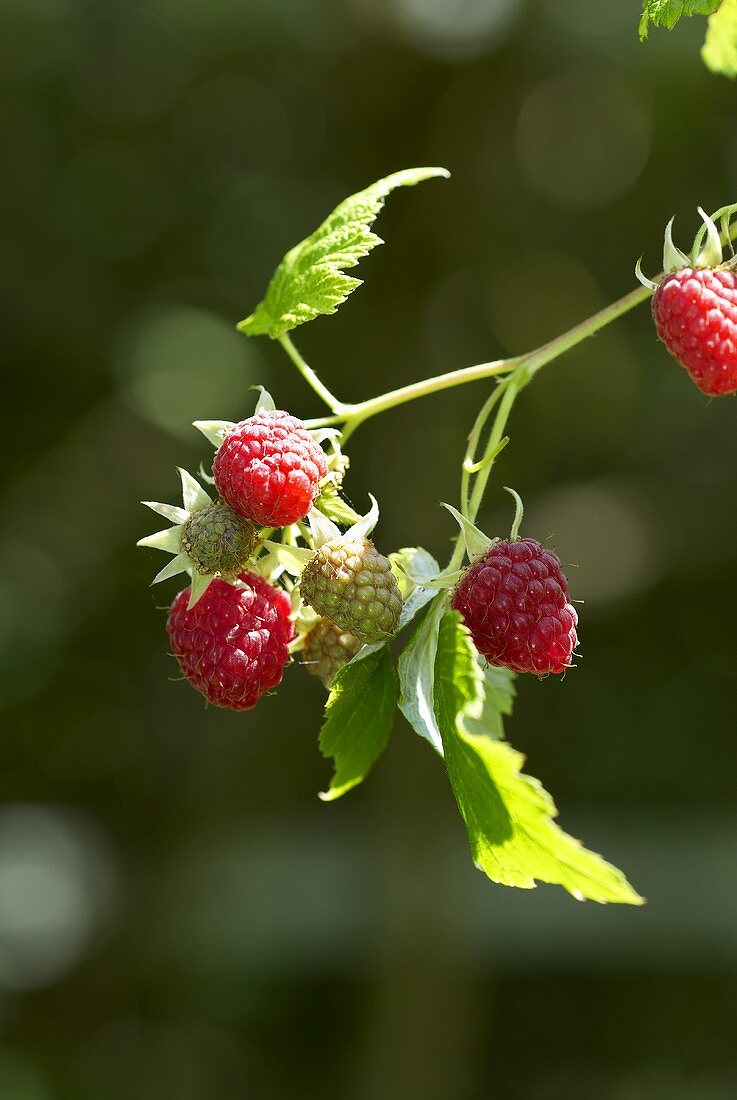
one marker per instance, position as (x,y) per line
(695,313)
(232,645)
(515,603)
(269,468)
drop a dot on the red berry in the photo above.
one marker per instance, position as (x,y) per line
(232,645)
(269,468)
(515,603)
(695,313)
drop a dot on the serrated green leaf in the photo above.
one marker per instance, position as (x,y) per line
(311,278)
(499,696)
(666,13)
(358,719)
(719,52)
(417,678)
(509,816)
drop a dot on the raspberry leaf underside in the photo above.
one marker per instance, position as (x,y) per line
(359,715)
(311,279)
(508,815)
(417,675)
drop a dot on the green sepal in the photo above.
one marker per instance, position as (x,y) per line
(180,564)
(322,528)
(167,511)
(293,558)
(169,540)
(412,566)
(477,543)
(265,401)
(335,508)
(200,584)
(193,495)
(214,431)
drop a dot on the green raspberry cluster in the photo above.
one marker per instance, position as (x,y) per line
(350,582)
(327,649)
(218,540)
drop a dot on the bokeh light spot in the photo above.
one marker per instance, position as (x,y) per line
(130,66)
(113,200)
(601,534)
(585,17)
(181,364)
(453,29)
(55,886)
(583,138)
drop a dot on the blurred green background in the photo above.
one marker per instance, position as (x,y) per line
(180,917)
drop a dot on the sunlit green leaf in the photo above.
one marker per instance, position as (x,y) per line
(508,815)
(666,13)
(358,718)
(720,48)
(311,278)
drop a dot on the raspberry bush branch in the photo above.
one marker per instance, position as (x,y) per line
(280,564)
(311,377)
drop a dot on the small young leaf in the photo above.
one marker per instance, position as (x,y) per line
(417,678)
(509,816)
(666,13)
(335,508)
(415,561)
(311,278)
(719,52)
(358,719)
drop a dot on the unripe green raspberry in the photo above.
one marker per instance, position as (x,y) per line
(350,582)
(327,649)
(218,540)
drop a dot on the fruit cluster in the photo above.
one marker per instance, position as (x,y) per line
(234,628)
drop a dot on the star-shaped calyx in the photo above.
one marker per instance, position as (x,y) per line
(208,539)
(706,251)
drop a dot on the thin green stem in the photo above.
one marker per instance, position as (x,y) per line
(470,465)
(508,391)
(355,415)
(511,390)
(534,360)
(311,378)
(366,409)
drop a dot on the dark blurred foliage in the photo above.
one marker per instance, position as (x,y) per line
(179,915)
